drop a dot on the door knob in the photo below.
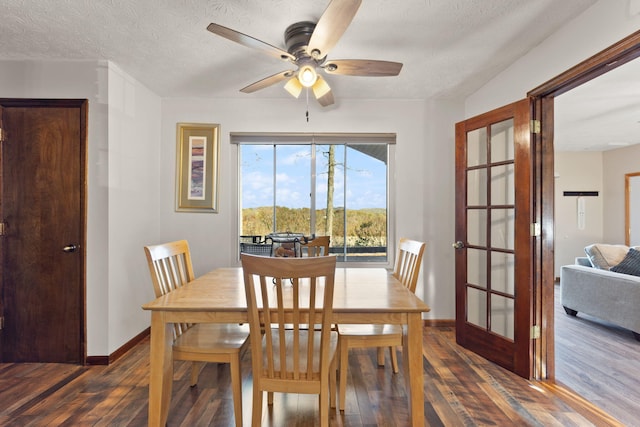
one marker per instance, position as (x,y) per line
(70,248)
(458,245)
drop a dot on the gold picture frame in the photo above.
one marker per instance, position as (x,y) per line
(198,149)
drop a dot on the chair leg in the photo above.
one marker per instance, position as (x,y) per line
(344,363)
(196,367)
(256,409)
(394,359)
(270,398)
(333,372)
(380,356)
(324,407)
(236,387)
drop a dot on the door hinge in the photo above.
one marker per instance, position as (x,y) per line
(535,332)
(535,126)
(1,322)
(1,135)
(2,228)
(535,229)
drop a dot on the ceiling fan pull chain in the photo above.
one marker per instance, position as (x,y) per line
(307,91)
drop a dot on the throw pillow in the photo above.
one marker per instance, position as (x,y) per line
(630,264)
(604,256)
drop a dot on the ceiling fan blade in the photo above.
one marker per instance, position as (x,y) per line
(249,41)
(362,67)
(326,99)
(267,81)
(331,26)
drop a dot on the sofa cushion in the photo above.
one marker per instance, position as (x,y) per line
(630,264)
(604,256)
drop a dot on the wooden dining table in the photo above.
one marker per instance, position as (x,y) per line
(361,295)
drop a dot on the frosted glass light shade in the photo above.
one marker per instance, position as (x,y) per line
(320,88)
(294,87)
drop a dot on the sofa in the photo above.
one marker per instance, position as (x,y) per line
(604,284)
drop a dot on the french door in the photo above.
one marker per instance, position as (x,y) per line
(495,234)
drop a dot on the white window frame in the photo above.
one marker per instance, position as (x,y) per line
(269,138)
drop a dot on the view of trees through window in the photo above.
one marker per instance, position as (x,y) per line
(338,190)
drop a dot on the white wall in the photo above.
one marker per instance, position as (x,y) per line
(439,207)
(591,171)
(617,163)
(577,171)
(134,200)
(602,25)
(424,171)
(122,169)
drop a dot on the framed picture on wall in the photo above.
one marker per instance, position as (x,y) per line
(198,148)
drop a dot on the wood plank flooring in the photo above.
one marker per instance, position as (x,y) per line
(599,361)
(461,389)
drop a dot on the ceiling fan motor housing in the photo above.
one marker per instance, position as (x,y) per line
(297,36)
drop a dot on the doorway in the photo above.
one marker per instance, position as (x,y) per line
(616,55)
(43,211)
(582,165)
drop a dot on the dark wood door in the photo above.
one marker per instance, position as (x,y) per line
(494,226)
(43,256)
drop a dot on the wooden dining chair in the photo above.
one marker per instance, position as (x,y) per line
(287,295)
(407,270)
(170,267)
(318,246)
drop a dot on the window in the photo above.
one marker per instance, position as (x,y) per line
(318,184)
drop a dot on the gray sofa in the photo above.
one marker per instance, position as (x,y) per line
(613,297)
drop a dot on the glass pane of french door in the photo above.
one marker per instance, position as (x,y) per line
(490,216)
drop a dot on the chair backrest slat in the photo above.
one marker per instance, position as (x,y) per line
(409,262)
(311,325)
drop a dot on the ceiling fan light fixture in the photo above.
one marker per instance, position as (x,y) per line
(294,87)
(308,44)
(307,76)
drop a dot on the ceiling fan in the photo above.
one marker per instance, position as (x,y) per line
(308,44)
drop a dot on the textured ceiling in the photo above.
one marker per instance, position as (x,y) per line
(448,47)
(602,114)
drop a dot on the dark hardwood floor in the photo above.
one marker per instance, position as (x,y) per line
(461,389)
(599,361)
